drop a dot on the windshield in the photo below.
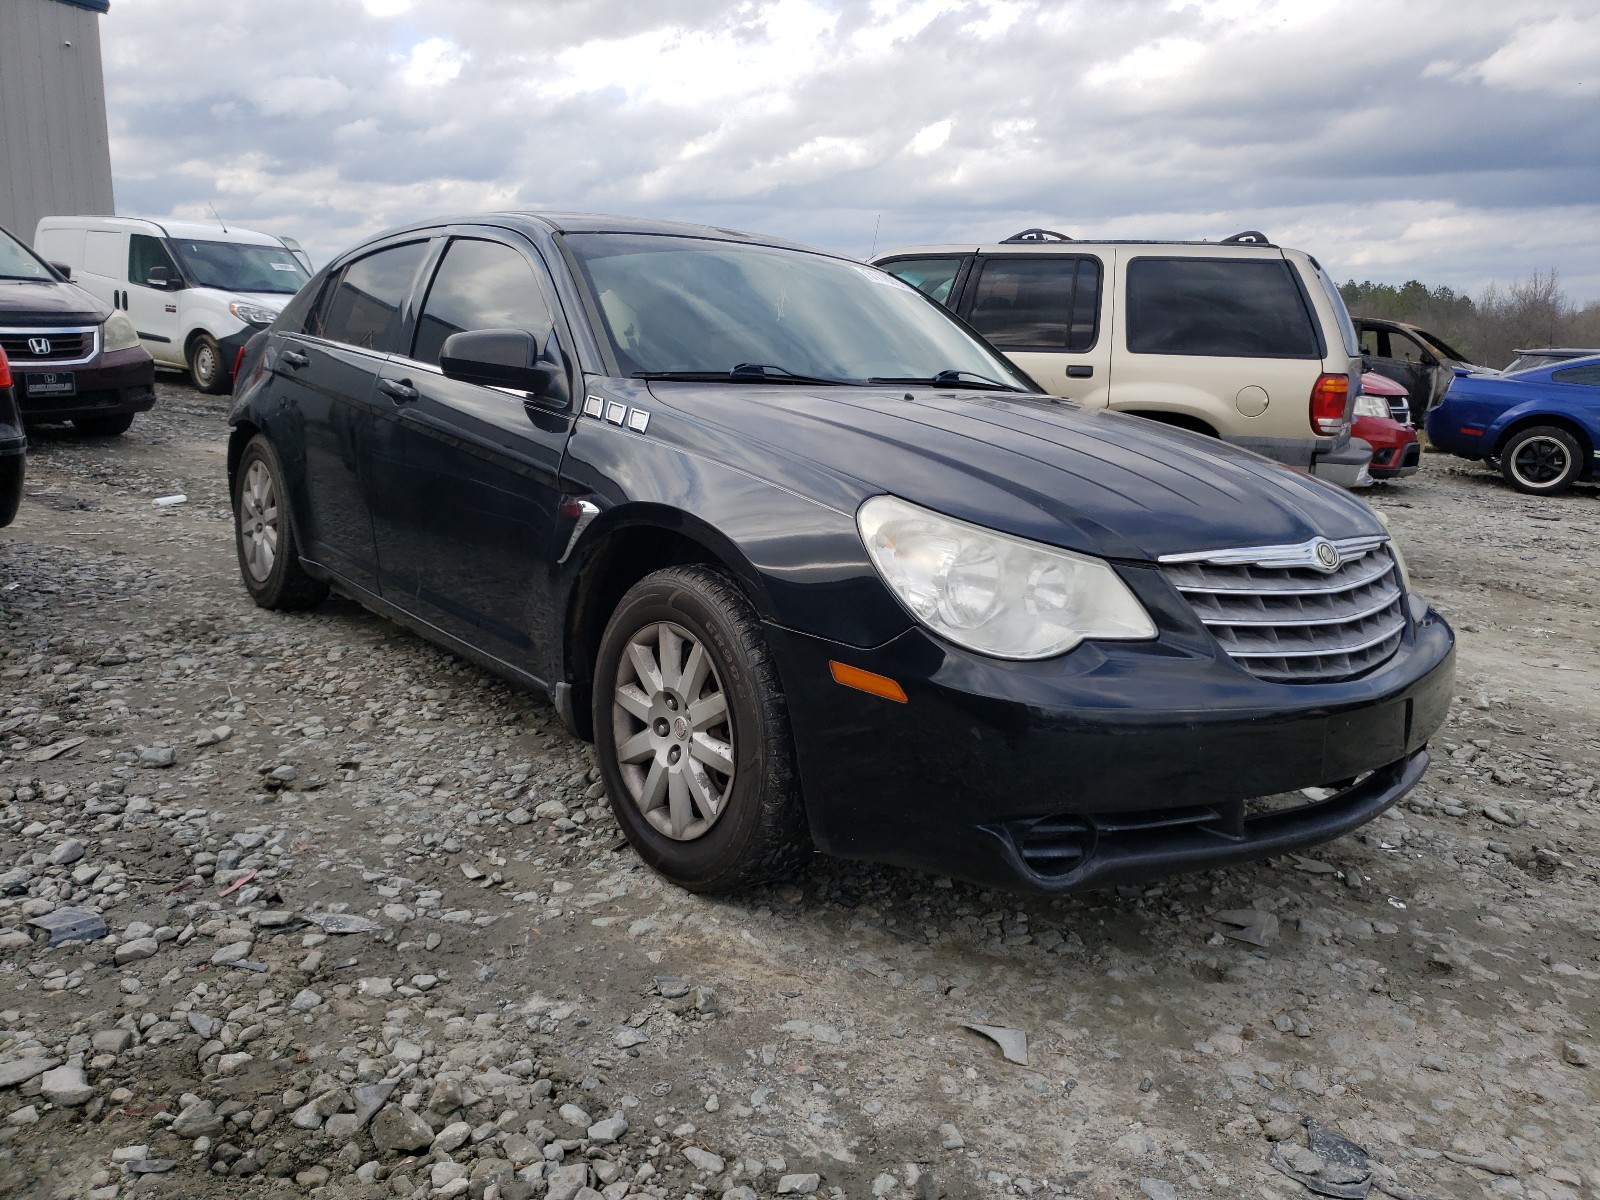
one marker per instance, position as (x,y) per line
(674,305)
(16,262)
(237,267)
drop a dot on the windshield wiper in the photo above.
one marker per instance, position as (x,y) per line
(740,373)
(31,278)
(950,379)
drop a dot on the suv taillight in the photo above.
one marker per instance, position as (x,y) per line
(5,370)
(1329,397)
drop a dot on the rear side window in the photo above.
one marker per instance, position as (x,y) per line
(145,252)
(1584,375)
(362,308)
(933,277)
(1218,308)
(1042,303)
(480,285)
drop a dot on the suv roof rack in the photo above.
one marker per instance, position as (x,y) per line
(1253,237)
(1037,235)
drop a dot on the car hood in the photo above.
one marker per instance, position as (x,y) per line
(48,302)
(1086,480)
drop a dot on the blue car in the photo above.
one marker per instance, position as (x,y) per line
(1541,427)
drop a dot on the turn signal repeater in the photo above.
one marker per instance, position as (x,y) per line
(867,681)
(1329,397)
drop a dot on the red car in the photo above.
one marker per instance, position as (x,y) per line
(1395,450)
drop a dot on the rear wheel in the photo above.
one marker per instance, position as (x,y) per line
(269,560)
(206,368)
(103,426)
(1542,460)
(693,734)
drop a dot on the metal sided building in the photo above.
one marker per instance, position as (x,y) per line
(55,154)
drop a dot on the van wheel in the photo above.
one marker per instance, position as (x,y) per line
(206,367)
(269,560)
(1542,461)
(109,426)
(692,733)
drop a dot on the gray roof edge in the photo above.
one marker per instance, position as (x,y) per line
(95,6)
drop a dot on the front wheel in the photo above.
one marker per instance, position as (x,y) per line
(206,368)
(692,733)
(1542,461)
(269,561)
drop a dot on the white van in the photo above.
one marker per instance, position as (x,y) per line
(195,293)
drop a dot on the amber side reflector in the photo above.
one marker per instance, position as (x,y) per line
(866,681)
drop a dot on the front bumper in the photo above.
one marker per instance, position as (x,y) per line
(116,382)
(1116,763)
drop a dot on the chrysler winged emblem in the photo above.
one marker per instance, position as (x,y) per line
(39,346)
(1327,554)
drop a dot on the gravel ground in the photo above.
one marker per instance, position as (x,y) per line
(373,932)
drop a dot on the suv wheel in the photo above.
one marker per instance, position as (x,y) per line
(206,368)
(693,734)
(1541,461)
(269,560)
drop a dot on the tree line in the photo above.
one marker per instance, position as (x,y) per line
(1490,329)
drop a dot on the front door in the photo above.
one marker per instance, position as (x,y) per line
(154,310)
(465,528)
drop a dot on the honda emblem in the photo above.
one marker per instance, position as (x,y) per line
(39,346)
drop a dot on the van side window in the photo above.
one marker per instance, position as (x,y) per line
(1038,303)
(933,277)
(1218,308)
(362,306)
(145,252)
(479,285)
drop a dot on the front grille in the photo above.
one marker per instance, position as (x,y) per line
(1287,621)
(61,345)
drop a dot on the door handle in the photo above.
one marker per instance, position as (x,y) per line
(1080,371)
(398,390)
(293,358)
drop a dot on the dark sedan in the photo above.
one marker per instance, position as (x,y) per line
(72,357)
(13,446)
(814,566)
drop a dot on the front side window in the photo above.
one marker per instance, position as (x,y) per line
(1584,375)
(238,267)
(479,285)
(1038,303)
(933,277)
(1218,308)
(362,306)
(680,305)
(17,263)
(145,252)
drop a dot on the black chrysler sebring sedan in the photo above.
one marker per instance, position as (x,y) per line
(813,566)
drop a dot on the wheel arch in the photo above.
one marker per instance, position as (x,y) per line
(1556,420)
(238,438)
(1179,420)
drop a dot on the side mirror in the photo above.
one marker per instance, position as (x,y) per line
(509,358)
(159,277)
(61,269)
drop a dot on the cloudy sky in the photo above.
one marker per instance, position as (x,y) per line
(1455,141)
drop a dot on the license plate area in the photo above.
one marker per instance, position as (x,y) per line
(50,383)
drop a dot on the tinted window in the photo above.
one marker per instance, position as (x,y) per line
(1585,375)
(145,252)
(241,267)
(1038,303)
(480,285)
(363,307)
(1234,308)
(933,277)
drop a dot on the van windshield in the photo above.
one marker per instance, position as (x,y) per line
(17,263)
(239,267)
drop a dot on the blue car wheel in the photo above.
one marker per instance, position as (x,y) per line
(1542,460)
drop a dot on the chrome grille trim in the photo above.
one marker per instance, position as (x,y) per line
(1284,615)
(81,345)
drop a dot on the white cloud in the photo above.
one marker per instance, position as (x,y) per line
(1561,55)
(432,62)
(931,137)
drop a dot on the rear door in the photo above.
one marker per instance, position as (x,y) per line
(1044,311)
(465,528)
(325,388)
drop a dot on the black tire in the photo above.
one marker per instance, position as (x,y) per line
(1542,460)
(103,426)
(759,832)
(281,583)
(210,374)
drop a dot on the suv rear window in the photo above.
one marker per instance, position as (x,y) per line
(1043,303)
(1218,308)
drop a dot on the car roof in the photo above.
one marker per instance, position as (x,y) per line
(1564,351)
(198,231)
(528,221)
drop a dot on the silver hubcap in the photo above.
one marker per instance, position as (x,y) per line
(258,521)
(672,731)
(205,362)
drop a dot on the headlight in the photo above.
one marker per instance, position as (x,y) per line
(253,314)
(118,333)
(992,593)
(1371,406)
